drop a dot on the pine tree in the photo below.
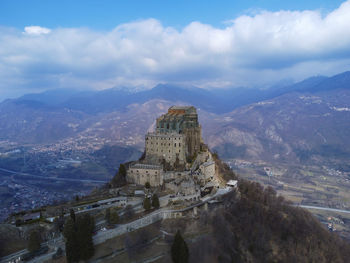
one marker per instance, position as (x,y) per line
(85,226)
(179,249)
(120,178)
(78,235)
(155,201)
(147,204)
(70,234)
(122,170)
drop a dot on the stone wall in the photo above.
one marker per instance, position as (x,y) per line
(193,140)
(182,120)
(168,146)
(172,175)
(142,173)
(188,198)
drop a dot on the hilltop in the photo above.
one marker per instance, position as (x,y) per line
(178,184)
(252,224)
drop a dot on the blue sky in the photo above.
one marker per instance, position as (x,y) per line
(210,44)
(106,14)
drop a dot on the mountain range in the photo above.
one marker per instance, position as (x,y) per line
(215,100)
(304,122)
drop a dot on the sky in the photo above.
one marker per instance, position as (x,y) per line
(210,44)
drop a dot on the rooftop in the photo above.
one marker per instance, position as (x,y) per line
(146,166)
(164,135)
(181,110)
(232,183)
(180,107)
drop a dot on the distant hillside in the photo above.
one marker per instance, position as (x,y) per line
(303,122)
(296,127)
(36,122)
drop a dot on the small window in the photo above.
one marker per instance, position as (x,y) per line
(175,144)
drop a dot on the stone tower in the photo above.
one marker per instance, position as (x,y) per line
(177,135)
(177,138)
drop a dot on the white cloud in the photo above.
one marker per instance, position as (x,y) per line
(255,49)
(36,30)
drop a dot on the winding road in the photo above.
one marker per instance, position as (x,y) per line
(324,208)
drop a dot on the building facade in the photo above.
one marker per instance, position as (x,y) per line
(167,146)
(141,173)
(177,135)
(176,138)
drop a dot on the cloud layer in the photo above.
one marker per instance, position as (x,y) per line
(250,50)
(36,30)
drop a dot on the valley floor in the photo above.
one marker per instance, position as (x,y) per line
(319,186)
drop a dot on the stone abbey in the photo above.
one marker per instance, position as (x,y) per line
(174,150)
(177,137)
